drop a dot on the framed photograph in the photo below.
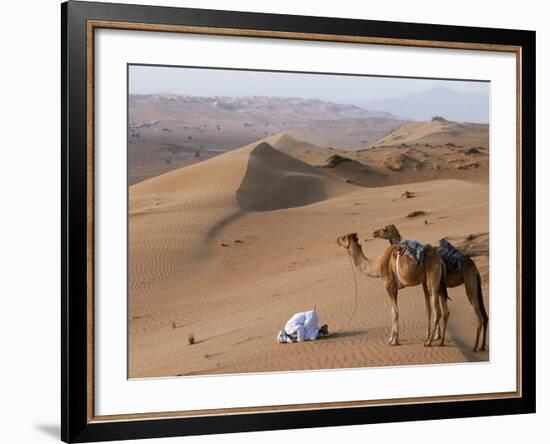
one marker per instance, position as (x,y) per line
(275,221)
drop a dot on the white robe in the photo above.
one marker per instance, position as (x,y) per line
(304,325)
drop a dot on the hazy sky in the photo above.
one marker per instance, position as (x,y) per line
(335,88)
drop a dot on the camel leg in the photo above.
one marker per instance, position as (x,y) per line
(436,313)
(484,341)
(472,285)
(481,328)
(485,318)
(445,309)
(429,313)
(470,288)
(394,338)
(428,309)
(478,331)
(437,335)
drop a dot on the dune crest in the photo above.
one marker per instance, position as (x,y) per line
(248,177)
(275,180)
(437,131)
(175,217)
(415,152)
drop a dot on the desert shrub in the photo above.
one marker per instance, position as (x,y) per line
(416,213)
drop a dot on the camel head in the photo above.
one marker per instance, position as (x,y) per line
(389,232)
(347,239)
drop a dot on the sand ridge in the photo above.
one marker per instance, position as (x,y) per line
(437,131)
(174,216)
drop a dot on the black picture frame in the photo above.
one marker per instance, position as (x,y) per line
(76,326)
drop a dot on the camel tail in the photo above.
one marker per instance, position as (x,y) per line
(480,299)
(443,289)
(442,283)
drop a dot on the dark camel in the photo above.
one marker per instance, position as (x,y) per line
(468,276)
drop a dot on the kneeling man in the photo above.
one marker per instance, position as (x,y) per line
(302,327)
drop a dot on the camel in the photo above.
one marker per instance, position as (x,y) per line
(398,271)
(468,275)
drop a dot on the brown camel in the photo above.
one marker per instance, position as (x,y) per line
(398,271)
(468,275)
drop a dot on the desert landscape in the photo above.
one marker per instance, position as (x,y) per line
(223,251)
(168,131)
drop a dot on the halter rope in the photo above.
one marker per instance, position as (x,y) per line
(356,297)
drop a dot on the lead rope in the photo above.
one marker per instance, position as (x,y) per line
(356,298)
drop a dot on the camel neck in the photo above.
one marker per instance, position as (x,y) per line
(364,264)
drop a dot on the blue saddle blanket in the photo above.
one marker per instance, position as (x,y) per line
(452,256)
(415,250)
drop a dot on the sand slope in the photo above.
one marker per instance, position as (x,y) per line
(274,180)
(226,250)
(458,155)
(174,217)
(437,132)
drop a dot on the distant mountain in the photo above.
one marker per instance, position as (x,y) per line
(168,131)
(254,108)
(452,105)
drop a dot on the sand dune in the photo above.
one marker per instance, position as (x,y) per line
(172,215)
(176,215)
(411,132)
(274,180)
(437,132)
(226,250)
(379,165)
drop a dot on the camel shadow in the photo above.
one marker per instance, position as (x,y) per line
(342,334)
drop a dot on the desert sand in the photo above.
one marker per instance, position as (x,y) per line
(223,252)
